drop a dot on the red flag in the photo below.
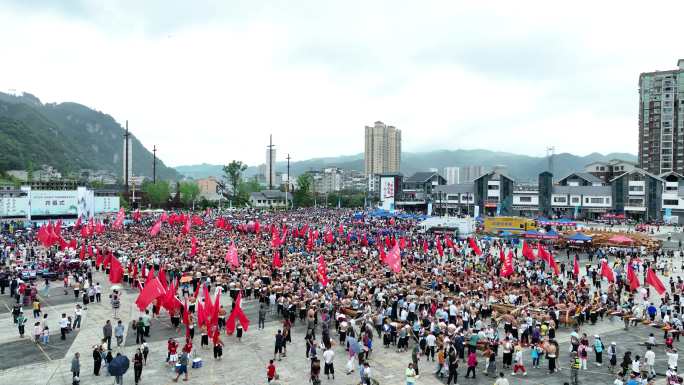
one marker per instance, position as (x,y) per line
(162,278)
(340,230)
(84,232)
(99,259)
(507,268)
(393,259)
(276,259)
(72,244)
(364,240)
(328,236)
(552,263)
(425,246)
(653,280)
(201,314)
(186,226)
(381,252)
(322,271)
(208,306)
(473,245)
(164,217)
(115,271)
(402,243)
(137,216)
(527,252)
(77,225)
(632,278)
(502,258)
(82,253)
(607,272)
(154,230)
(576,267)
(152,290)
(543,254)
(238,314)
(257,227)
(193,247)
(232,256)
(440,249)
(118,222)
(449,243)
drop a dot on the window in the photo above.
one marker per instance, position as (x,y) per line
(575,200)
(526,199)
(636,188)
(492,187)
(596,200)
(635,202)
(671,202)
(559,199)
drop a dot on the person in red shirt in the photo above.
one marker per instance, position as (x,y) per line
(172,347)
(187,348)
(270,371)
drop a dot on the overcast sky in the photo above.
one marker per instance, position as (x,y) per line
(207,81)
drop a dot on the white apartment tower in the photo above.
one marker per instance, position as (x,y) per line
(130,160)
(452,175)
(382,152)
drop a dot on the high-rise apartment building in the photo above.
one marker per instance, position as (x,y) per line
(661,120)
(382,153)
(130,160)
(269,171)
(452,175)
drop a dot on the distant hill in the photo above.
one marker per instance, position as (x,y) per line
(521,167)
(67,136)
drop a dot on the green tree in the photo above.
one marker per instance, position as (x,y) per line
(189,192)
(232,175)
(123,202)
(302,195)
(157,193)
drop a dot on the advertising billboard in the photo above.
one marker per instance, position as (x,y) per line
(13,206)
(387,192)
(106,204)
(54,202)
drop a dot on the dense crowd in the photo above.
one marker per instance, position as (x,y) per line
(450,303)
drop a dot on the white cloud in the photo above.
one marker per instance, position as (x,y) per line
(208,81)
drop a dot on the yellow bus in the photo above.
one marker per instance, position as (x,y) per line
(514,225)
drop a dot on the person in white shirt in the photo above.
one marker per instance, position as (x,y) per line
(329,369)
(63,326)
(431,342)
(672,358)
(650,360)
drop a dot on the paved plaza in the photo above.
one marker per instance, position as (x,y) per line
(23,362)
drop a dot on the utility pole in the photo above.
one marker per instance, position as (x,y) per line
(126,135)
(287,186)
(154,164)
(270,162)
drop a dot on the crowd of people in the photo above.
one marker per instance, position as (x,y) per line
(326,270)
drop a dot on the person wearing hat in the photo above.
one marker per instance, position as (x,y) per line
(598,349)
(612,356)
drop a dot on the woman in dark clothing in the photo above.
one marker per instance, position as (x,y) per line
(97,359)
(138,365)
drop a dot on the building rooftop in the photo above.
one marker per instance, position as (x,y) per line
(638,171)
(590,178)
(420,177)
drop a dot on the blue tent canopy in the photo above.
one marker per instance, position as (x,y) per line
(579,237)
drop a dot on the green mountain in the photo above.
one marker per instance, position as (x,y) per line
(67,136)
(520,167)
